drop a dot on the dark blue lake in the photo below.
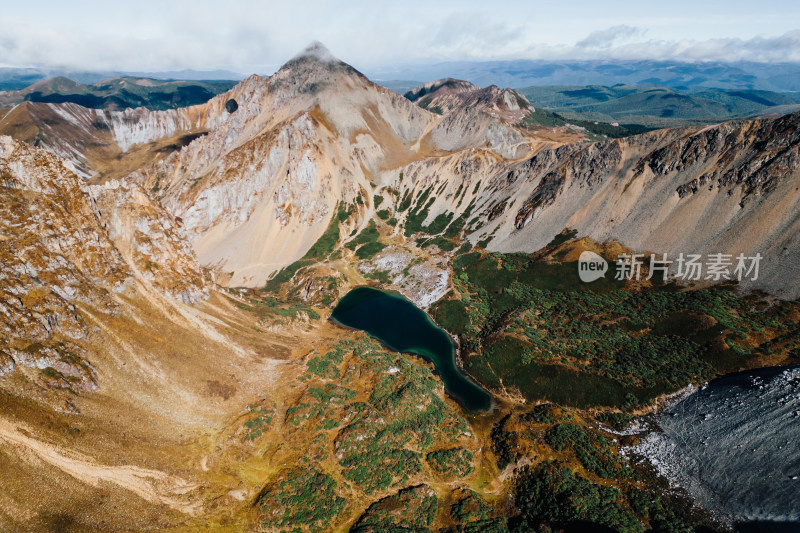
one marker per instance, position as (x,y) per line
(403,327)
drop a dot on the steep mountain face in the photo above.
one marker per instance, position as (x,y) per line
(731,188)
(257,181)
(137,397)
(443,86)
(113,350)
(263,185)
(489,113)
(66,245)
(97,142)
(448,95)
(256,174)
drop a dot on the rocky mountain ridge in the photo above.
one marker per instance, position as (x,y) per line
(256,187)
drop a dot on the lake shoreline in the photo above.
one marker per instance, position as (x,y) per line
(414,332)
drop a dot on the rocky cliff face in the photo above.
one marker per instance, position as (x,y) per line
(262,186)
(449,95)
(152,243)
(257,183)
(475,116)
(731,188)
(112,346)
(67,246)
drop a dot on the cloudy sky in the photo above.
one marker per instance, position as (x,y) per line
(247,36)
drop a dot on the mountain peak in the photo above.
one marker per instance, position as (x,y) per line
(449,85)
(315,67)
(318,51)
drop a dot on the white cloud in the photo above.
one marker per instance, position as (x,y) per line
(250,36)
(783,48)
(604,39)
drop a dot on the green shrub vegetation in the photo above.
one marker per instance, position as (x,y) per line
(444,244)
(369,250)
(563,237)
(269,307)
(379,442)
(593,451)
(419,213)
(302,498)
(411,509)
(534,326)
(454,463)
(327,366)
(553,496)
(381,276)
(439,224)
(544,118)
(261,419)
(472,514)
(505,443)
(617,421)
(452,316)
(368,234)
(366,243)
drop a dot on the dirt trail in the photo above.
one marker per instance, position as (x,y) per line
(154,486)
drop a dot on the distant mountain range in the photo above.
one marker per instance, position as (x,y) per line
(14,79)
(779,77)
(657,106)
(523,73)
(118,93)
(643,105)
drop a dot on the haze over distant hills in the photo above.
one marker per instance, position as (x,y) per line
(644,106)
(780,77)
(118,93)
(674,74)
(657,106)
(14,79)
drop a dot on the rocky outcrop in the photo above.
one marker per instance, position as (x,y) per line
(731,188)
(7,364)
(475,116)
(66,246)
(63,366)
(152,243)
(449,95)
(256,184)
